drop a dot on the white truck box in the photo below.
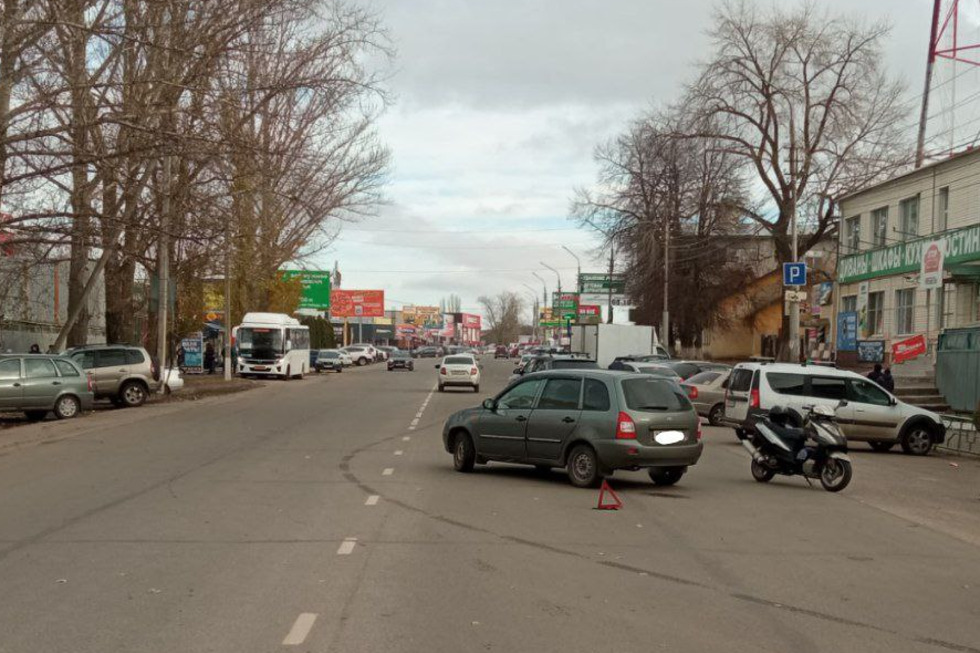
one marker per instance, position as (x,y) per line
(604,342)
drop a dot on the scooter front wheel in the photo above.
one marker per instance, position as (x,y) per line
(835,474)
(761,473)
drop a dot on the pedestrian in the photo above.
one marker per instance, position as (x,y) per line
(887,381)
(209,358)
(52,350)
(876,374)
(35,348)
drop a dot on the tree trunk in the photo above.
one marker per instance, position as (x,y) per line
(120,319)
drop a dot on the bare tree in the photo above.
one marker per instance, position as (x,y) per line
(503,316)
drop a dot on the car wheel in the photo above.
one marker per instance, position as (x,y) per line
(880,446)
(666,475)
(583,467)
(464,455)
(362,361)
(761,473)
(68,406)
(442,388)
(917,441)
(716,414)
(288,375)
(36,415)
(835,474)
(132,394)
(476,388)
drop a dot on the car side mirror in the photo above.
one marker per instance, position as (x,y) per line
(892,401)
(438,366)
(490,404)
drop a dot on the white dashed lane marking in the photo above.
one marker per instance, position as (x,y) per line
(347,546)
(399,452)
(372,500)
(300,630)
(388,471)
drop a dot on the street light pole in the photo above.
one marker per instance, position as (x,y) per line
(578,266)
(556,274)
(534,311)
(544,284)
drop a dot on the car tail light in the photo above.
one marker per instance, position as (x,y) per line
(692,392)
(699,430)
(473,371)
(442,370)
(754,398)
(88,379)
(625,428)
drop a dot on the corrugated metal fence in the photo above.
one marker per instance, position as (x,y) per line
(958,368)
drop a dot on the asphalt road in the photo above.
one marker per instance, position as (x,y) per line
(323,515)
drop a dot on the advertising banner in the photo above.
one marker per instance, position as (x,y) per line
(407,330)
(906,350)
(193,347)
(847,331)
(316,287)
(871,351)
(471,321)
(933,261)
(448,325)
(864,329)
(960,245)
(589,314)
(357,303)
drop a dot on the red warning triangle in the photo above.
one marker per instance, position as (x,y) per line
(612,502)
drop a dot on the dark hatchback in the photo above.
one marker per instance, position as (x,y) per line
(400,360)
(591,421)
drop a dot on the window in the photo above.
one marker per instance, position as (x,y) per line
(36,368)
(879,227)
(942,211)
(741,380)
(828,388)
(785,383)
(704,378)
(909,214)
(134,357)
(849,304)
(10,369)
(653,395)
(110,358)
(685,370)
(866,392)
(521,395)
(596,396)
(905,310)
(85,359)
(574,365)
(876,312)
(560,394)
(852,235)
(66,368)
(459,360)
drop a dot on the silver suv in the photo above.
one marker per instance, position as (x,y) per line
(869,413)
(124,374)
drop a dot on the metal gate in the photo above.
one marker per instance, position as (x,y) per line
(958,368)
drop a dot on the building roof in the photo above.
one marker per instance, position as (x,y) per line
(929,167)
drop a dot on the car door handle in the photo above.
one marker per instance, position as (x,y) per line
(56,383)
(16,385)
(568,420)
(521,418)
(123,370)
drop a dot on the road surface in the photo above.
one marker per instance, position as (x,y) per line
(324,515)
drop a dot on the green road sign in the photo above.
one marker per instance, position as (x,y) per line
(600,283)
(316,287)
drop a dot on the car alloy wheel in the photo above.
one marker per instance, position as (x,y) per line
(714,416)
(67,407)
(917,441)
(133,394)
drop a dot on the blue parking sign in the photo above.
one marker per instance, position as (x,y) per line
(794,274)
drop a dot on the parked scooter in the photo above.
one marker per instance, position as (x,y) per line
(817,450)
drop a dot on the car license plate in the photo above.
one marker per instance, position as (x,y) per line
(458,373)
(261,368)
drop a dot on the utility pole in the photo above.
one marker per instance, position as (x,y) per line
(163,257)
(665,320)
(544,285)
(612,251)
(229,363)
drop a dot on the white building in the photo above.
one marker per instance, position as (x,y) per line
(884,231)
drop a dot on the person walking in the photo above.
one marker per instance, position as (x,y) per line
(35,348)
(209,359)
(887,381)
(875,374)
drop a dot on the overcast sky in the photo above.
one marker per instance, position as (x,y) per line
(499,104)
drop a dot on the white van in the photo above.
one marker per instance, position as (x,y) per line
(869,414)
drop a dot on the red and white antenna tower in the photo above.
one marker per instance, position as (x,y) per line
(958,48)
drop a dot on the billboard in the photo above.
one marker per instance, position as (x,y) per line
(316,287)
(427,316)
(471,321)
(601,283)
(357,303)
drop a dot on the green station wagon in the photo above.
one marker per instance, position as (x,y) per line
(38,384)
(591,421)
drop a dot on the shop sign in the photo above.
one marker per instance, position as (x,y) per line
(933,261)
(906,350)
(193,347)
(871,351)
(960,245)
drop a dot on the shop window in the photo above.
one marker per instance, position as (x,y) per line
(942,211)
(905,311)
(849,304)
(879,226)
(876,312)
(909,214)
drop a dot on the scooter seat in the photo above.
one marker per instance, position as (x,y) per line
(794,437)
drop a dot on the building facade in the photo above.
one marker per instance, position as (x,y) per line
(886,232)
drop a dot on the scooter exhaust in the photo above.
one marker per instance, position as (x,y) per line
(751,448)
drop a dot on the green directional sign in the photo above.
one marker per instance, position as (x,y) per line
(316,287)
(600,283)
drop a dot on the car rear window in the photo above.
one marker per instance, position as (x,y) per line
(685,370)
(653,395)
(704,378)
(574,365)
(66,368)
(786,383)
(458,360)
(741,380)
(134,357)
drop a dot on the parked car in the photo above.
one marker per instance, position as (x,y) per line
(401,360)
(329,360)
(426,352)
(124,374)
(38,384)
(869,413)
(373,352)
(707,392)
(459,370)
(557,362)
(655,369)
(590,421)
(344,356)
(501,352)
(360,355)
